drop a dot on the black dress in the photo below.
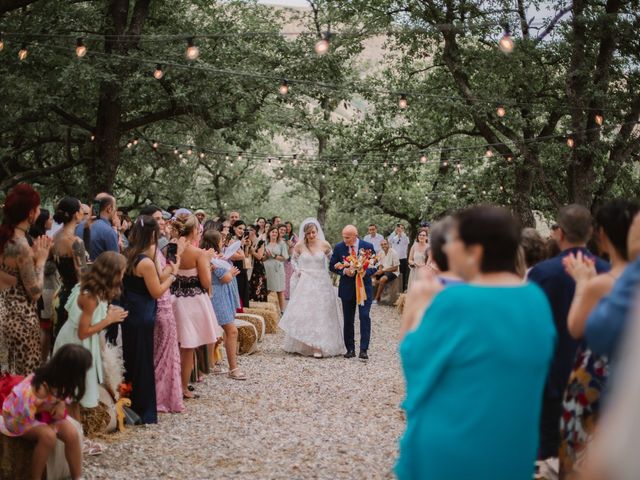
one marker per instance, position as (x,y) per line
(67,270)
(258,283)
(137,345)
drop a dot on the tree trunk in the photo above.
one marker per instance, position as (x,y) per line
(522,198)
(104,166)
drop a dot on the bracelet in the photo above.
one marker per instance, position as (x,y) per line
(173,277)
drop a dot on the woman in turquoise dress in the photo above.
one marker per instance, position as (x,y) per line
(89,313)
(475,362)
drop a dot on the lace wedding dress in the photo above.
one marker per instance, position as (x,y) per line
(313,317)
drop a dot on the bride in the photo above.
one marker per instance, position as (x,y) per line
(312,319)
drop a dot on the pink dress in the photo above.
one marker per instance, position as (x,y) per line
(166,355)
(195,320)
(20,407)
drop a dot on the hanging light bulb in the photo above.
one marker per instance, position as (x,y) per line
(202,154)
(93,137)
(395,169)
(488,153)
(335,168)
(322,46)
(506,42)
(189,151)
(192,51)
(423,159)
(501,111)
(372,181)
(81,48)
(599,119)
(24,52)
(154,145)
(158,73)
(445,163)
(1,42)
(239,156)
(385,164)
(135,141)
(129,144)
(295,159)
(570,142)
(354,160)
(176,151)
(283,89)
(403,103)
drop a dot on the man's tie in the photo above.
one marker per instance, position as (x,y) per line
(353,250)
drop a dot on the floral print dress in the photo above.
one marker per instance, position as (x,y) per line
(581,406)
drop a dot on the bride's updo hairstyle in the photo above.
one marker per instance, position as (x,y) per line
(66,210)
(185,224)
(307,228)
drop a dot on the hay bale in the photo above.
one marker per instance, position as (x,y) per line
(257,322)
(95,421)
(270,318)
(15,457)
(272,298)
(247,337)
(267,306)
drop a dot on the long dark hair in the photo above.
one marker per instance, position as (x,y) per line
(17,206)
(145,232)
(66,210)
(65,374)
(39,226)
(615,218)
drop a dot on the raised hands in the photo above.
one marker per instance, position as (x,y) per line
(579,267)
(41,247)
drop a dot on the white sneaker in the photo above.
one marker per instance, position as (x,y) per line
(375,302)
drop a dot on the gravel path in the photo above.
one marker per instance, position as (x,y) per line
(295,418)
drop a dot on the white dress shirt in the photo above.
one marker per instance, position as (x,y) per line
(400,243)
(375,241)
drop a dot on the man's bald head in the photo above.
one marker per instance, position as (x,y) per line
(349,235)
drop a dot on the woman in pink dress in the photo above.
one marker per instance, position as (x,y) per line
(166,352)
(195,320)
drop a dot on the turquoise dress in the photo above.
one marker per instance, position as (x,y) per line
(69,334)
(475,369)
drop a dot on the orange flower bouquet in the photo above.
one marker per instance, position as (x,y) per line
(359,263)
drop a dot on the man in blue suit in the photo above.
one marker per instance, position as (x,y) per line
(347,291)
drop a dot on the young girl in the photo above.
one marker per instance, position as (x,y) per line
(225,301)
(89,313)
(36,408)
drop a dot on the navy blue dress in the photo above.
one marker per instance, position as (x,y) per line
(137,345)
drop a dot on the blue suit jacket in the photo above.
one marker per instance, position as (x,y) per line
(559,288)
(347,287)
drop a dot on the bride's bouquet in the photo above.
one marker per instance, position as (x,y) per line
(359,263)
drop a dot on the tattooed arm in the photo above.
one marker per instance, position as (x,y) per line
(79,257)
(30,262)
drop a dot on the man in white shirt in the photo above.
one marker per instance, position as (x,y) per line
(388,268)
(373,238)
(399,242)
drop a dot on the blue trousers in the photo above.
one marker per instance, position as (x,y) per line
(349,312)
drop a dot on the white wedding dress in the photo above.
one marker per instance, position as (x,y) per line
(313,317)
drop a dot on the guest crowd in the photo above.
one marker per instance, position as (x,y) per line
(509,340)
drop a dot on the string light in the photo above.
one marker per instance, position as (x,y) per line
(176,151)
(135,141)
(322,46)
(385,164)
(202,155)
(403,103)
(154,145)
(24,52)
(158,73)
(501,111)
(395,169)
(129,144)
(295,159)
(1,42)
(284,87)
(189,150)
(599,119)
(81,48)
(93,137)
(445,164)
(239,156)
(506,43)
(335,167)
(570,142)
(192,52)
(423,159)
(488,153)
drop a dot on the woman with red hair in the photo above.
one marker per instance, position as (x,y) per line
(19,324)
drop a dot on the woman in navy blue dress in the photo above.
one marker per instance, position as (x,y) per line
(143,284)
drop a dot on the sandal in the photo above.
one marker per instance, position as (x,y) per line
(238,375)
(90,447)
(217,369)
(193,396)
